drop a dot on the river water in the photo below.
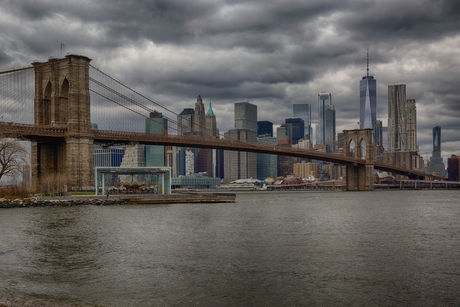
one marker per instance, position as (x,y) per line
(381,248)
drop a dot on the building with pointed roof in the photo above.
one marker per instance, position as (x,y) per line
(199,121)
(367,100)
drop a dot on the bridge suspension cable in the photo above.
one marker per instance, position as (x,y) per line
(102,86)
(17,90)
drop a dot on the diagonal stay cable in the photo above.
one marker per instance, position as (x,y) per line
(140,105)
(148,99)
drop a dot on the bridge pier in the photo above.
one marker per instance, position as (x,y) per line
(358,177)
(62,99)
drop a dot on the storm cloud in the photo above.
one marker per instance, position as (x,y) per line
(270,53)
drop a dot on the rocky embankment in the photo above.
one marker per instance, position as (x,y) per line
(37,202)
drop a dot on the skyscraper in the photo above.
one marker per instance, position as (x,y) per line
(239,164)
(266,163)
(367,100)
(377,135)
(199,120)
(436,163)
(185,121)
(330,129)
(411,123)
(397,128)
(264,128)
(206,157)
(211,123)
(303,111)
(298,129)
(245,116)
(155,154)
(324,100)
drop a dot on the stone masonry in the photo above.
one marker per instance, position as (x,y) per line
(62,99)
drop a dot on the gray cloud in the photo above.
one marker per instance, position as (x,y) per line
(271,53)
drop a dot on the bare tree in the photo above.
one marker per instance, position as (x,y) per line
(12,158)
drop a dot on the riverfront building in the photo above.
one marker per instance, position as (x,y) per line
(453,168)
(266,163)
(108,157)
(306,170)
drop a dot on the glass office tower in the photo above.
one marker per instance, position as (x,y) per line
(264,128)
(367,100)
(155,154)
(245,116)
(324,101)
(298,129)
(303,111)
(330,129)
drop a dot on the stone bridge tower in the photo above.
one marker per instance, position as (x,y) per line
(358,144)
(62,99)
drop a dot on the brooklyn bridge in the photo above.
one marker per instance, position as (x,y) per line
(53,104)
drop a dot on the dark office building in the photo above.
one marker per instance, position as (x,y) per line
(453,168)
(298,129)
(264,128)
(436,162)
(303,111)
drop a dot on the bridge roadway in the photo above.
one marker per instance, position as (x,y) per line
(48,133)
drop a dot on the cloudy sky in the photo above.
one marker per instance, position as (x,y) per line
(270,53)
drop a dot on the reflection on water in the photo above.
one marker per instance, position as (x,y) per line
(269,249)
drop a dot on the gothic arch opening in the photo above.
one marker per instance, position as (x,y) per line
(352,146)
(47,105)
(363,146)
(63,102)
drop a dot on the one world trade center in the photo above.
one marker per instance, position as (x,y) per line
(367,100)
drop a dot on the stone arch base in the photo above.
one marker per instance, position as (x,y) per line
(62,99)
(359,177)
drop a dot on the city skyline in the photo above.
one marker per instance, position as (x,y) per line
(173,51)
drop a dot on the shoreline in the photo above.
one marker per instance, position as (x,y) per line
(147,199)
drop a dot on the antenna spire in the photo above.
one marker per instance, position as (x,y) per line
(368,63)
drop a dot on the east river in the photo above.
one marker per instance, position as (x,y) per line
(381,248)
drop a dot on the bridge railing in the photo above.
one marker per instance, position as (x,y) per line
(14,129)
